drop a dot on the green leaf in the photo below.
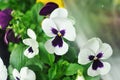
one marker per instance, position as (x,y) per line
(17,58)
(35,61)
(45,56)
(73,69)
(57,71)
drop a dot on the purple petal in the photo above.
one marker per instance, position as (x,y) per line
(7,11)
(97,64)
(54,31)
(48,8)
(5,18)
(99,55)
(57,41)
(10,37)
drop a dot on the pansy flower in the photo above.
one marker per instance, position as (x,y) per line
(60,3)
(32,50)
(95,51)
(58,26)
(5,18)
(24,74)
(10,37)
(3,71)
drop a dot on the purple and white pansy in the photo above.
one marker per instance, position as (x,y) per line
(95,51)
(3,71)
(58,26)
(32,50)
(24,74)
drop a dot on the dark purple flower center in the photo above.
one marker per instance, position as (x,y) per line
(96,61)
(58,39)
(30,50)
(48,8)
(17,78)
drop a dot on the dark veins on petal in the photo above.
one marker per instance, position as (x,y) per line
(97,64)
(5,18)
(17,78)
(96,61)
(30,50)
(100,55)
(54,31)
(48,8)
(57,41)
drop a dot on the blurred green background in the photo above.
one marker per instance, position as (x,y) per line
(97,18)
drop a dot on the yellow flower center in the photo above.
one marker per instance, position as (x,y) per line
(59,34)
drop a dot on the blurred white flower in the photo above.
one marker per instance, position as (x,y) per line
(95,51)
(58,26)
(24,74)
(32,50)
(3,71)
(80,78)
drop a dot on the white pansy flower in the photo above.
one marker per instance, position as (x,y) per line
(95,51)
(24,74)
(32,50)
(3,71)
(58,26)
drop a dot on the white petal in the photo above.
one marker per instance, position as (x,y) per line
(47,26)
(49,47)
(92,72)
(31,55)
(1,63)
(30,42)
(67,25)
(59,12)
(27,74)
(105,69)
(107,51)
(3,73)
(61,50)
(16,74)
(83,57)
(31,34)
(93,44)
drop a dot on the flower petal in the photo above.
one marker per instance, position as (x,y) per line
(27,74)
(49,47)
(30,42)
(3,71)
(107,51)
(105,69)
(92,72)
(61,50)
(93,44)
(48,8)
(67,26)
(59,12)
(29,54)
(83,57)
(16,74)
(31,34)
(4,20)
(47,26)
